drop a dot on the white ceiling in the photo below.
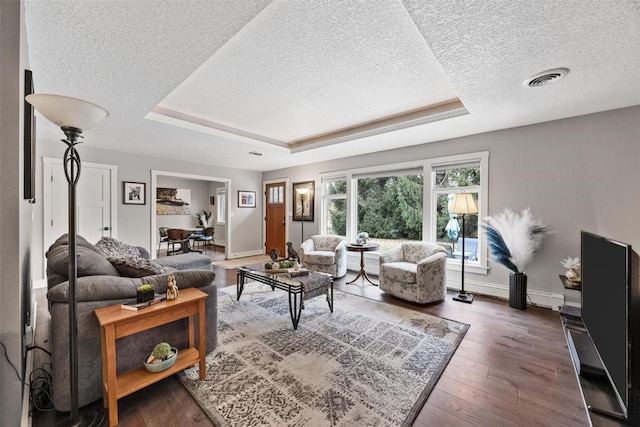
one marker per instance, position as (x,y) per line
(304,81)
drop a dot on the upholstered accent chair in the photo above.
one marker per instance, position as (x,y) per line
(415,272)
(325,253)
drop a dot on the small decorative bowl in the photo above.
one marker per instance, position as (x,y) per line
(161,366)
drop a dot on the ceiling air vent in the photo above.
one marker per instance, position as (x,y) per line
(256,153)
(546,77)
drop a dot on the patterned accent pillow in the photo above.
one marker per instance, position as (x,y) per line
(136,266)
(115,248)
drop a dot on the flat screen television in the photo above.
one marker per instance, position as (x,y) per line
(611,315)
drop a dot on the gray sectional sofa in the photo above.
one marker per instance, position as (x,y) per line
(107,280)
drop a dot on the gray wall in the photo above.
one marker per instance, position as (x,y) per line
(15,213)
(575,174)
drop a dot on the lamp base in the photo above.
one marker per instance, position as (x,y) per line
(464,297)
(86,418)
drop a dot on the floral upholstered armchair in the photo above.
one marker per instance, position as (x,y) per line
(325,253)
(415,272)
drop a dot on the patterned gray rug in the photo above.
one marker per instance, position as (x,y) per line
(366,364)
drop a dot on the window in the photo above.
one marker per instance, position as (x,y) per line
(389,206)
(394,204)
(335,206)
(221,208)
(450,176)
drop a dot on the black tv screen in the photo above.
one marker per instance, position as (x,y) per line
(606,280)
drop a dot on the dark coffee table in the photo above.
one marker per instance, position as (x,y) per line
(299,288)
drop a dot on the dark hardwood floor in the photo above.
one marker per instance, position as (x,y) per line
(512,369)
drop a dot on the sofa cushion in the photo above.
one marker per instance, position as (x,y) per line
(136,266)
(99,288)
(188,261)
(81,241)
(89,263)
(111,247)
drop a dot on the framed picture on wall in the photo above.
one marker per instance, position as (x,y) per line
(134,193)
(303,200)
(246,199)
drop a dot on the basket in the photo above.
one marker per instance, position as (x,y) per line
(161,366)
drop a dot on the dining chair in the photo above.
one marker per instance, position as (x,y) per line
(206,237)
(177,236)
(163,237)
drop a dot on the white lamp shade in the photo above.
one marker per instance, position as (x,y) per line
(67,111)
(463,203)
(302,191)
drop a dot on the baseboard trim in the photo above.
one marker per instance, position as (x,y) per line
(246,253)
(535,297)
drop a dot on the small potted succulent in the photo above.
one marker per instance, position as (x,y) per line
(144,293)
(162,357)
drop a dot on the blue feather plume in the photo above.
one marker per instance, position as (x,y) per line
(498,248)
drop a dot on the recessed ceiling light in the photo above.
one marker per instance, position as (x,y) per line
(256,153)
(546,77)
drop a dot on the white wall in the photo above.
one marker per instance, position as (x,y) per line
(199,201)
(134,221)
(574,174)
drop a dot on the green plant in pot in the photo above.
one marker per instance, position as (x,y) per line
(513,240)
(162,357)
(144,293)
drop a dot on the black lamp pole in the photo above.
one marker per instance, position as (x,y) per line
(463,296)
(72,115)
(302,217)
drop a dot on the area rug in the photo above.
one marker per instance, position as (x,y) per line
(366,364)
(230,264)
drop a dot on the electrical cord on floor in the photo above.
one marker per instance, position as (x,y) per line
(41,393)
(6,356)
(39,382)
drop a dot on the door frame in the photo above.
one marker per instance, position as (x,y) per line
(153,232)
(48,163)
(287,210)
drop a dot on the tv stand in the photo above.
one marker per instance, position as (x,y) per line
(597,392)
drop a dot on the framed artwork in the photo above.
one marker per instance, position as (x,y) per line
(173,201)
(246,199)
(29,142)
(303,200)
(134,193)
(212,200)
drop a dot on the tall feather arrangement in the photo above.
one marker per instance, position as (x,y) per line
(514,239)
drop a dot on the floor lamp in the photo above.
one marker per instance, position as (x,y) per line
(73,116)
(463,204)
(302,192)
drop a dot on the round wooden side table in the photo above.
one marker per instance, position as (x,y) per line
(365,247)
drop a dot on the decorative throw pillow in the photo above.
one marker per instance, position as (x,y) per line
(136,266)
(115,248)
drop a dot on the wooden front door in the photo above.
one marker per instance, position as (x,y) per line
(275,218)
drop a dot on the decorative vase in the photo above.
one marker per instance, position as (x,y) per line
(144,296)
(518,291)
(572,275)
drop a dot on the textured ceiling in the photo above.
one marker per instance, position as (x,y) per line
(222,78)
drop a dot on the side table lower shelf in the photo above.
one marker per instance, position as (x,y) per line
(139,378)
(116,323)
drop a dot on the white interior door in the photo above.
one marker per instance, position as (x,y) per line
(96,194)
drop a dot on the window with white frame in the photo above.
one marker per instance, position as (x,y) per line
(389,206)
(334,206)
(221,208)
(451,176)
(410,202)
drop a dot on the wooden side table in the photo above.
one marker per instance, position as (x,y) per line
(366,247)
(116,322)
